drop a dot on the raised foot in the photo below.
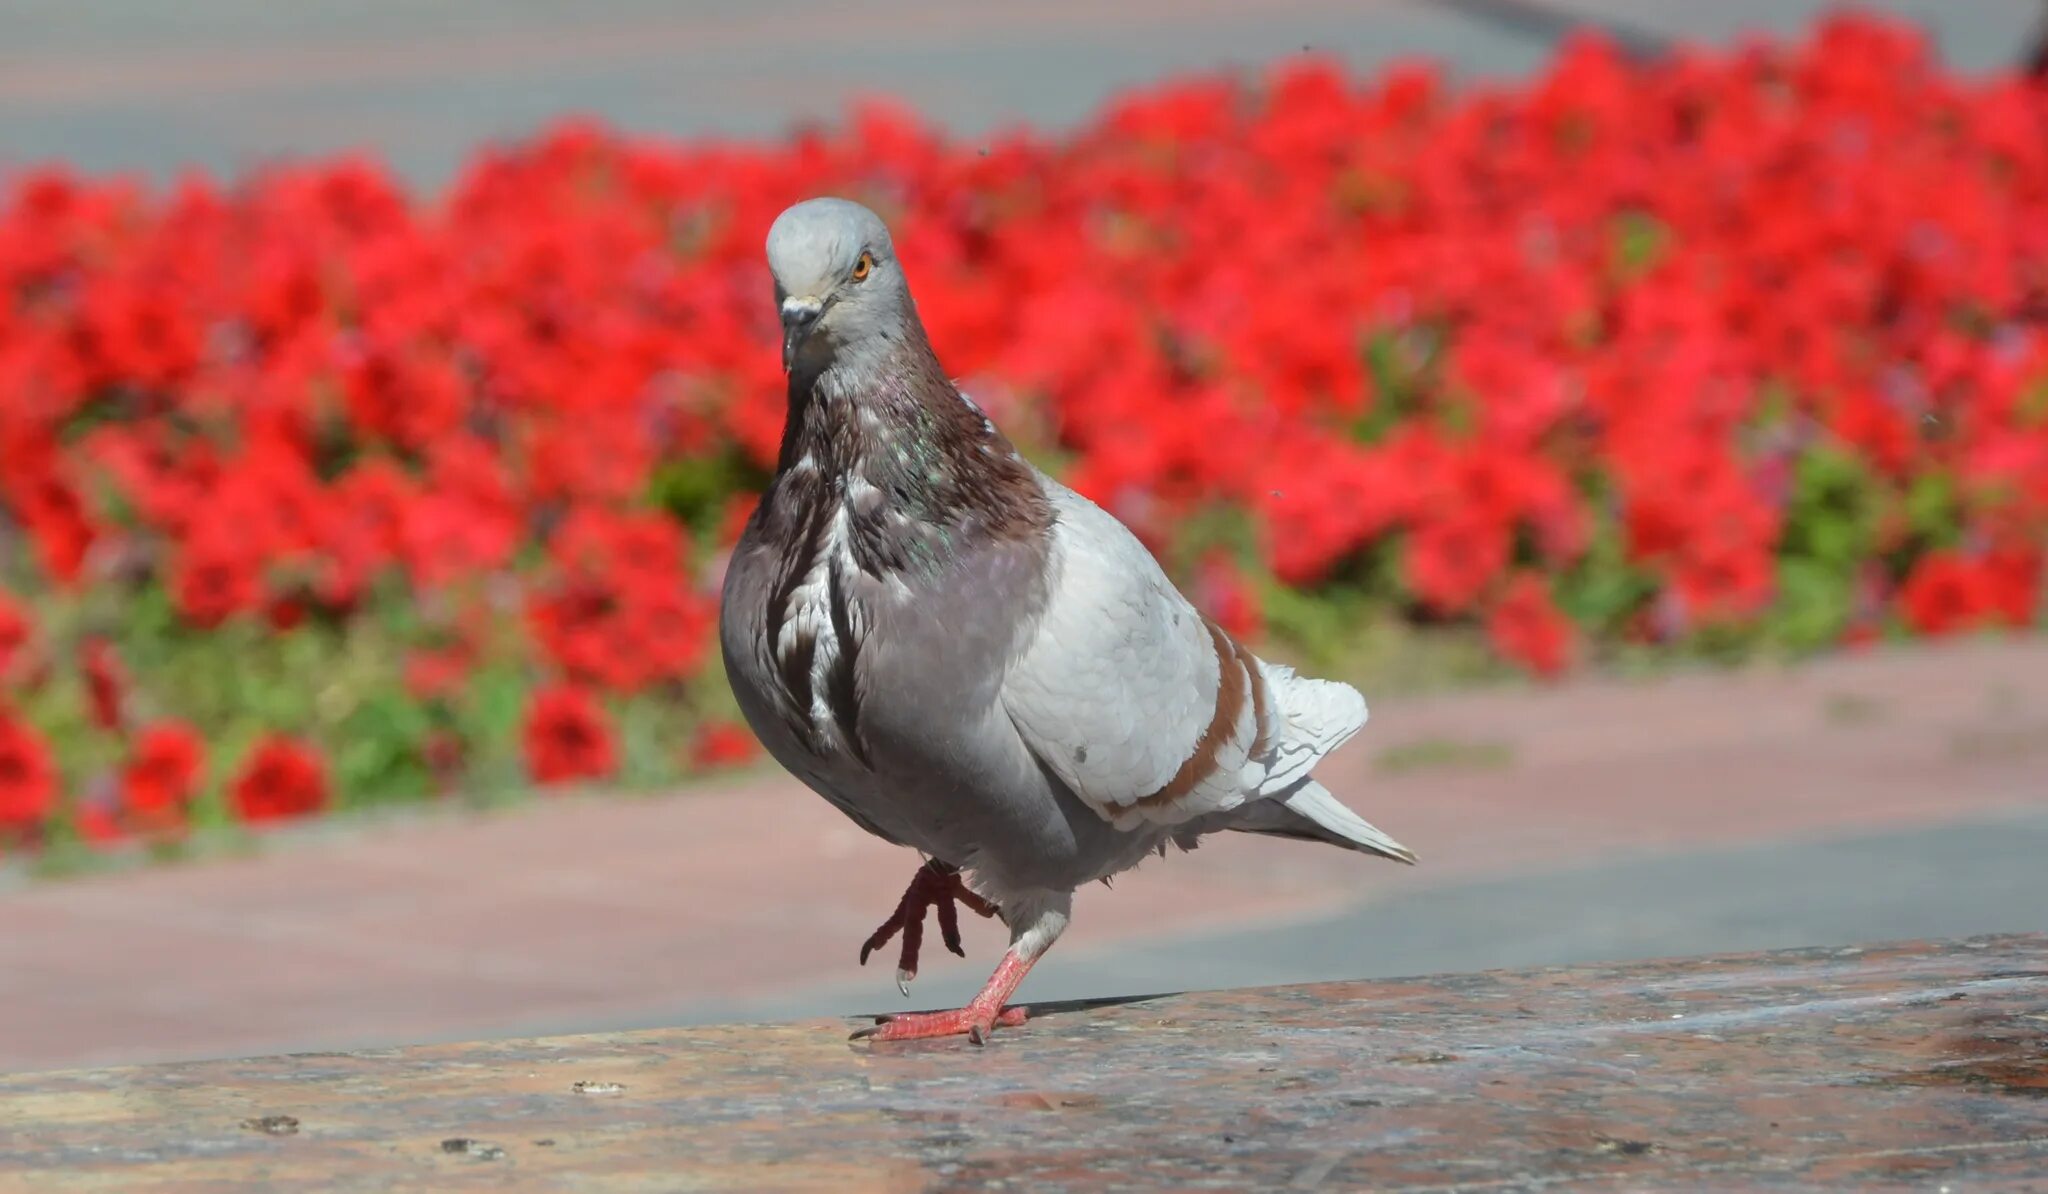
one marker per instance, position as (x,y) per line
(974,1022)
(936,887)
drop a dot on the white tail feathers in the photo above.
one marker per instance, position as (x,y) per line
(1313,801)
(1317,717)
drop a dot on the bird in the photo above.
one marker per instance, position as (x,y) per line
(968,658)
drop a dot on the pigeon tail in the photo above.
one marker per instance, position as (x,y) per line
(1328,820)
(1317,717)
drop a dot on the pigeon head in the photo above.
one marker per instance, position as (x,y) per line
(875,427)
(836,279)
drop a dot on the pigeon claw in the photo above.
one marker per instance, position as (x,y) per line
(935,886)
(976,1024)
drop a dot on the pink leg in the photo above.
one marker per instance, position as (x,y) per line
(978,1019)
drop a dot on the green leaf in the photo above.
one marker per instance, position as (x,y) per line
(1931,510)
(1640,240)
(1815,599)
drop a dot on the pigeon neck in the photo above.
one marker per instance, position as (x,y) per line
(880,428)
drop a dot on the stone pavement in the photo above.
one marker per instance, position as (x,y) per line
(230,84)
(1887,1066)
(1854,798)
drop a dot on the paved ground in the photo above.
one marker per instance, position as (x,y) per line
(226,84)
(1910,1066)
(1853,799)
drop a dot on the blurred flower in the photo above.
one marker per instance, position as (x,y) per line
(567,737)
(214,580)
(1526,627)
(162,775)
(1452,558)
(1222,591)
(438,675)
(28,779)
(279,779)
(444,753)
(104,682)
(722,744)
(1946,593)
(14,631)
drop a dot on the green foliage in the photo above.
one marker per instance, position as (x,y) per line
(1830,525)
(1932,511)
(1602,589)
(696,488)
(1640,241)
(1402,368)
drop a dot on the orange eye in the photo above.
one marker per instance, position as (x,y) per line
(861,267)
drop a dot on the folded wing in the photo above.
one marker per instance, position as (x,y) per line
(1148,711)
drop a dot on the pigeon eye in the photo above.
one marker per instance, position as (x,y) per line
(863,266)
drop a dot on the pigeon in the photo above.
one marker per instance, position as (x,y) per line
(968,658)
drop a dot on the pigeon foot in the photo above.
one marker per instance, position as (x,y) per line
(975,1023)
(936,885)
(981,1017)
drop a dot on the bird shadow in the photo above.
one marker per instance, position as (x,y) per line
(1067,1007)
(1040,1010)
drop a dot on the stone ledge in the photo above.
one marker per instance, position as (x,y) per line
(1894,1063)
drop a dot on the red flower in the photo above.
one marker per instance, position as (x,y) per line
(104,681)
(438,675)
(281,778)
(1452,558)
(2014,576)
(567,737)
(621,616)
(28,780)
(1723,582)
(723,744)
(444,754)
(56,519)
(162,774)
(214,580)
(1223,592)
(285,612)
(1525,626)
(1946,593)
(97,824)
(14,630)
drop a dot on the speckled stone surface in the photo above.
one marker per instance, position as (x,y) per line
(1912,1065)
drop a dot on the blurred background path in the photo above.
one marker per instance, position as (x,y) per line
(1853,799)
(229,84)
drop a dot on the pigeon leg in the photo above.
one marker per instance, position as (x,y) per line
(982,1016)
(936,885)
(1036,920)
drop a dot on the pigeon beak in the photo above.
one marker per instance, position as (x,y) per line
(799,315)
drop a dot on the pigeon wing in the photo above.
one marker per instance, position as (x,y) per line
(1148,711)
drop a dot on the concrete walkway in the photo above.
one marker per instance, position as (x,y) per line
(1858,798)
(1889,1066)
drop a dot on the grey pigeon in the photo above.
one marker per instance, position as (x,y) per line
(968,658)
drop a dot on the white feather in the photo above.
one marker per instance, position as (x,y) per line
(1313,801)
(1317,717)
(810,611)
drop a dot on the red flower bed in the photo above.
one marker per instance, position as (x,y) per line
(378,493)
